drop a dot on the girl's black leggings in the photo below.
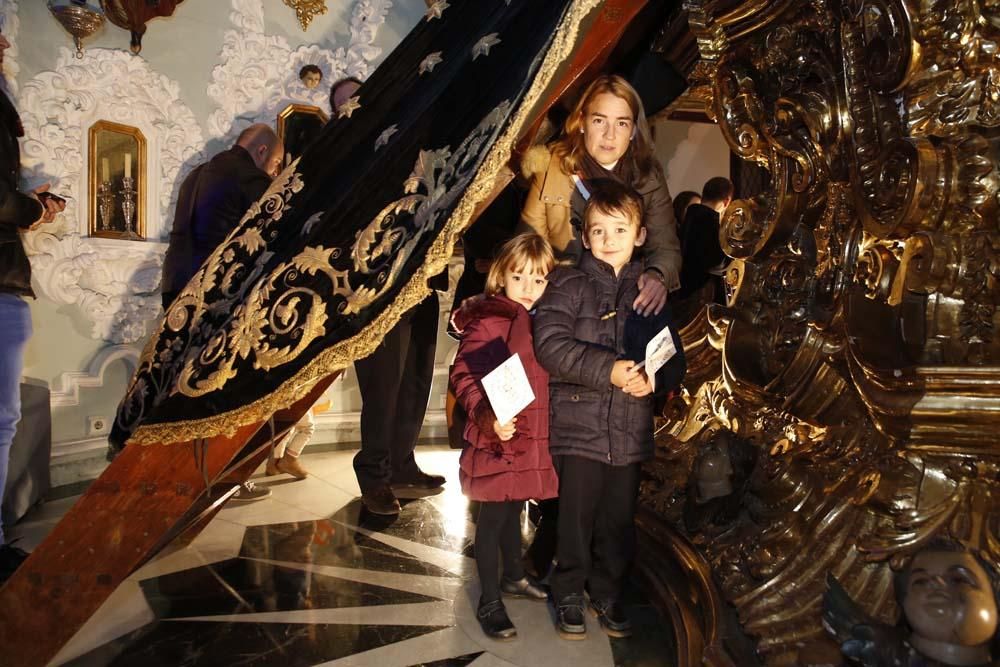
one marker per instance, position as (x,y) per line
(498,532)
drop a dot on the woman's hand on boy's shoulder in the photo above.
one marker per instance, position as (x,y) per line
(652,293)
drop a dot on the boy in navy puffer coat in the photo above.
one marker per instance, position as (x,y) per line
(590,340)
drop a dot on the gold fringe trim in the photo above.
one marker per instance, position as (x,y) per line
(342,354)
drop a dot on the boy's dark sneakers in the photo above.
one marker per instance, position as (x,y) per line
(494,621)
(523,588)
(612,616)
(570,623)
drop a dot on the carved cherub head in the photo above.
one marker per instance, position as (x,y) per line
(949,600)
(310,75)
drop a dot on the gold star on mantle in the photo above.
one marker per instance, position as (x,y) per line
(436,10)
(307,10)
(432,60)
(483,46)
(349,107)
(383,138)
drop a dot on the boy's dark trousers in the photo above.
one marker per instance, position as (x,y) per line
(596,547)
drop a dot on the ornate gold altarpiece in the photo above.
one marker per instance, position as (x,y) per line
(858,349)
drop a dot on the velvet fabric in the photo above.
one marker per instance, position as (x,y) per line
(343,242)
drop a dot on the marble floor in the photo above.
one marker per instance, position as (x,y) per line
(308,577)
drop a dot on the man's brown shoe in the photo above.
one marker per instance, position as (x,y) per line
(290,466)
(381,500)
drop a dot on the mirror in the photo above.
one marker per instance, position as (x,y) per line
(298,126)
(117,181)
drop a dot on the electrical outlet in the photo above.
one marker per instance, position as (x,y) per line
(98,425)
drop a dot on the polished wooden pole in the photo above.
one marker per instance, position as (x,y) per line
(145,498)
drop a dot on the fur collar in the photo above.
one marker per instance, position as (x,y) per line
(491,306)
(536,161)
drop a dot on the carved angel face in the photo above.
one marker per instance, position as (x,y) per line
(949,599)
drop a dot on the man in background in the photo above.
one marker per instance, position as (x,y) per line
(703,259)
(212,201)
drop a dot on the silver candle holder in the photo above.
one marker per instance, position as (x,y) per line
(128,207)
(105,204)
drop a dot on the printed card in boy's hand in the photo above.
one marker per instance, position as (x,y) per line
(659,351)
(508,389)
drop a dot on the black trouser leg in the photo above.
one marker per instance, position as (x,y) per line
(613,550)
(580,481)
(379,377)
(493,539)
(415,387)
(543,546)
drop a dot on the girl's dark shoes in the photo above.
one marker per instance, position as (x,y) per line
(612,616)
(523,588)
(494,621)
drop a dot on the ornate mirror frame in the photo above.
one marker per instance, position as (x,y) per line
(289,114)
(105,183)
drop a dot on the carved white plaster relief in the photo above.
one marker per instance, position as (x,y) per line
(258,74)
(66,392)
(113,282)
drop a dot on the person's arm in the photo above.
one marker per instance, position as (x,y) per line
(556,346)
(18,209)
(479,353)
(663,249)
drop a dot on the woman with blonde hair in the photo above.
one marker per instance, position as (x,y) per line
(606,136)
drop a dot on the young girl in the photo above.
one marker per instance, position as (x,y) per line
(503,465)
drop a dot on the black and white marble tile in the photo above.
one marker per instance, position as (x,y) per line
(308,577)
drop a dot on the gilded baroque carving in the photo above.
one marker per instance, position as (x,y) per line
(855,354)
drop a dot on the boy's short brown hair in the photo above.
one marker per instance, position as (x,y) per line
(610,197)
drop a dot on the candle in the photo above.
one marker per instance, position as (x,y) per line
(128,165)
(105,172)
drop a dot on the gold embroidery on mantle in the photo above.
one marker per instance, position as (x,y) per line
(340,355)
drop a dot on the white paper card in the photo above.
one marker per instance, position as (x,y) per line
(659,351)
(508,389)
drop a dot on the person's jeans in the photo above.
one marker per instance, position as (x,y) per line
(15,330)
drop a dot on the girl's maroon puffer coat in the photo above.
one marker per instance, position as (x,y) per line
(521,468)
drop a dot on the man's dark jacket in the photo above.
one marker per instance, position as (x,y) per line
(211,202)
(583,324)
(17,210)
(700,248)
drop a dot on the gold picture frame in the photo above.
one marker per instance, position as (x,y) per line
(298,126)
(116,152)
